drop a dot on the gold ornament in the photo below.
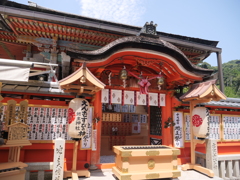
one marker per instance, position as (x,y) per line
(123,74)
(160,80)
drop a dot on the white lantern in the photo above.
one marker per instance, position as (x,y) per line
(200,122)
(78,114)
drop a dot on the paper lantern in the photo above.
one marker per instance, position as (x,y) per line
(200,122)
(78,114)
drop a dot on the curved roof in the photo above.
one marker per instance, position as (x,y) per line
(140,42)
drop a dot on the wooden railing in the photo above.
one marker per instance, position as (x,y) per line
(228,165)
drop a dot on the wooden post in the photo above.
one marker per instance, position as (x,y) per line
(74,161)
(193,158)
(74,173)
(193,164)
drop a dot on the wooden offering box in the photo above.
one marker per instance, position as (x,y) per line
(145,162)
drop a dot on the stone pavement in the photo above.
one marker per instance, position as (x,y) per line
(106,174)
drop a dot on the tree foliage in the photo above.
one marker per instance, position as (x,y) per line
(231,76)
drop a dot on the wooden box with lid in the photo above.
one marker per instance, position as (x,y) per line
(146,162)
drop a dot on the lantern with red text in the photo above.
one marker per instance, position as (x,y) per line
(78,114)
(200,122)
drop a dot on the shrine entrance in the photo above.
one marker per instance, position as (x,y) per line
(141,74)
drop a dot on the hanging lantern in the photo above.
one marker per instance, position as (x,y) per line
(200,122)
(160,80)
(123,74)
(78,114)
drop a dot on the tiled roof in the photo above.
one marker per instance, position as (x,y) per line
(229,102)
(33,87)
(124,28)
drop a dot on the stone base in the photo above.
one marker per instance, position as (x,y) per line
(75,174)
(93,167)
(146,175)
(199,168)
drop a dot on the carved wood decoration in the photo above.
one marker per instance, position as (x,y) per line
(10,112)
(22,115)
(18,131)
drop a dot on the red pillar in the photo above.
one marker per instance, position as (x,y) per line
(95,155)
(166,113)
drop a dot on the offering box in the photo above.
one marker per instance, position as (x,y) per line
(145,162)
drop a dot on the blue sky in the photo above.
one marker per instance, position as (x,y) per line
(217,20)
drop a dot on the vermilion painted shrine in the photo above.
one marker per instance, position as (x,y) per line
(142,86)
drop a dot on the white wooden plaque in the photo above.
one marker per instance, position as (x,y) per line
(58,160)
(178,136)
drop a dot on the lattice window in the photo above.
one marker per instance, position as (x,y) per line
(155,120)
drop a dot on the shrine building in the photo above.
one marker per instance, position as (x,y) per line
(139,83)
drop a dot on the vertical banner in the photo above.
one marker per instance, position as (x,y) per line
(86,141)
(187,127)
(162,100)
(58,161)
(105,96)
(94,140)
(178,139)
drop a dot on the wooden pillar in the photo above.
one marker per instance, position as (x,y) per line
(193,159)
(95,155)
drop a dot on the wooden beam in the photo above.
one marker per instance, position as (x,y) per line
(71,86)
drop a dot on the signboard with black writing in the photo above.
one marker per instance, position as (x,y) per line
(231,127)
(47,123)
(178,136)
(214,127)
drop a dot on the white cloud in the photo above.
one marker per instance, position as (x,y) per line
(121,11)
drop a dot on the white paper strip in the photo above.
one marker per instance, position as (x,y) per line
(153,99)
(178,139)
(129,97)
(141,99)
(116,96)
(94,140)
(162,100)
(58,161)
(187,127)
(105,96)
